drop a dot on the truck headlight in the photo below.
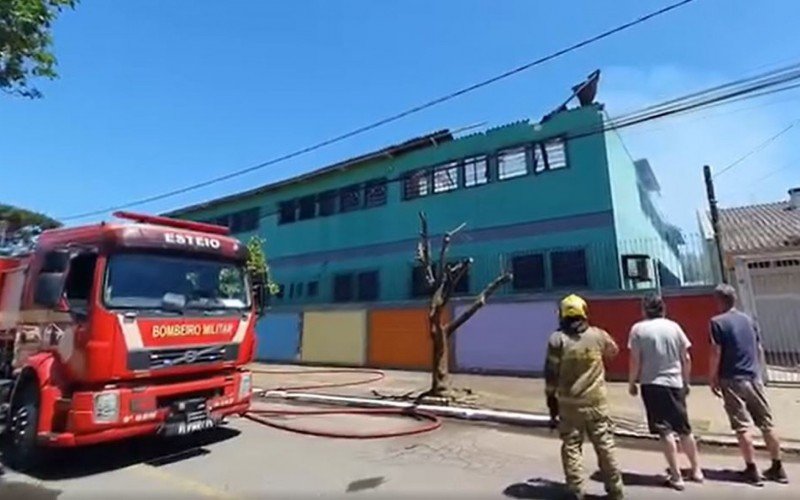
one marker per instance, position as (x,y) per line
(245,385)
(106,407)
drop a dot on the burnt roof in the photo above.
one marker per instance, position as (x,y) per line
(768,226)
(408,146)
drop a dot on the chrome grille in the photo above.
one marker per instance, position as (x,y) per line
(166,358)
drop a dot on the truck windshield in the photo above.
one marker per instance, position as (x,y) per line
(141,281)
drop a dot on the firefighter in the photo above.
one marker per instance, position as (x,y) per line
(576,395)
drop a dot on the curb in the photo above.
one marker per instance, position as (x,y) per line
(516,418)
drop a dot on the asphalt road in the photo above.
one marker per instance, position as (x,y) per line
(248,460)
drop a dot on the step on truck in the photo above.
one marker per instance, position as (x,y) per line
(117,330)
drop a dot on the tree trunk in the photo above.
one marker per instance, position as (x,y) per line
(440,371)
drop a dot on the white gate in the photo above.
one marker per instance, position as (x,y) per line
(769,288)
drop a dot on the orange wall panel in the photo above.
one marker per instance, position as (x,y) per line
(692,312)
(616,316)
(399,338)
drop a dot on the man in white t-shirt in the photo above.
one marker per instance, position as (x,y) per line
(660,362)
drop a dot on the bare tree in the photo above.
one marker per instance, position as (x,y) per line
(442,277)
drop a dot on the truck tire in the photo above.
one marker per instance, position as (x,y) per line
(23,451)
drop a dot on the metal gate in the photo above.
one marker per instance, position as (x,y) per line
(769,289)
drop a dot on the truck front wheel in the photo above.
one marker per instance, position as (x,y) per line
(24,453)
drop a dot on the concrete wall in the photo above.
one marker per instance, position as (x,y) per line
(334,337)
(506,338)
(503,337)
(278,337)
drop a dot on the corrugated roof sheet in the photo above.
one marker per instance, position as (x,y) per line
(420,142)
(768,226)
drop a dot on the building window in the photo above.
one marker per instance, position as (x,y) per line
(445,178)
(287,212)
(555,153)
(327,203)
(512,163)
(368,286)
(312,288)
(417,184)
(375,193)
(350,198)
(476,171)
(551,155)
(244,220)
(281,291)
(343,288)
(308,207)
(298,290)
(528,272)
(291,291)
(568,268)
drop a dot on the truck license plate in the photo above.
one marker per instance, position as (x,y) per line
(190,427)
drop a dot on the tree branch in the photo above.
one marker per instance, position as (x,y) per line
(448,237)
(424,250)
(479,302)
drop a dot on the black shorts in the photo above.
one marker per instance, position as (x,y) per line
(666,410)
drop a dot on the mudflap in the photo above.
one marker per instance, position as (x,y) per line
(188,417)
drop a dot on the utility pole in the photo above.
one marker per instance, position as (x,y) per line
(712,205)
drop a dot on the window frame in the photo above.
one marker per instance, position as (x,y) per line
(454,166)
(542,255)
(359,276)
(524,150)
(281,213)
(350,276)
(331,196)
(356,189)
(542,148)
(381,182)
(422,173)
(309,201)
(586,272)
(472,160)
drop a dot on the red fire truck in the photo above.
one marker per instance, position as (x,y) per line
(117,330)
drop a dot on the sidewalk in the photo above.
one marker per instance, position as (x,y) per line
(527,395)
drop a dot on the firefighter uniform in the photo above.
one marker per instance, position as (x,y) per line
(576,395)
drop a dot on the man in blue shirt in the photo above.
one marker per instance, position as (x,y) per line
(735,375)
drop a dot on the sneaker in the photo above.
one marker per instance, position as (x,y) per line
(697,477)
(752,476)
(776,473)
(676,483)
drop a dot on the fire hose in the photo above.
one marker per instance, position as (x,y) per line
(266,417)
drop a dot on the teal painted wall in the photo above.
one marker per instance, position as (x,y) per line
(599,182)
(636,233)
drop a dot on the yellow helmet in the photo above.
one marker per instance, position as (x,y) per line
(573,306)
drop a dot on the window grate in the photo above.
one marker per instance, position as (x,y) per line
(569,268)
(287,212)
(417,185)
(375,193)
(350,198)
(476,171)
(512,163)
(445,178)
(528,271)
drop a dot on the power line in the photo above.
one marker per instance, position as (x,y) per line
(392,118)
(717,96)
(757,149)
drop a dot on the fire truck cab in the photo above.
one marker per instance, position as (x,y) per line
(111,331)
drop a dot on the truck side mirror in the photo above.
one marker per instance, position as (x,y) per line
(49,289)
(52,278)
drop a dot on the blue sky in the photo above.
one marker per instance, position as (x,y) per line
(155,95)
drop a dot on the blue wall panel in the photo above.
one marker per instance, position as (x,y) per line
(278,337)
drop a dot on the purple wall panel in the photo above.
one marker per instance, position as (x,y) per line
(506,337)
